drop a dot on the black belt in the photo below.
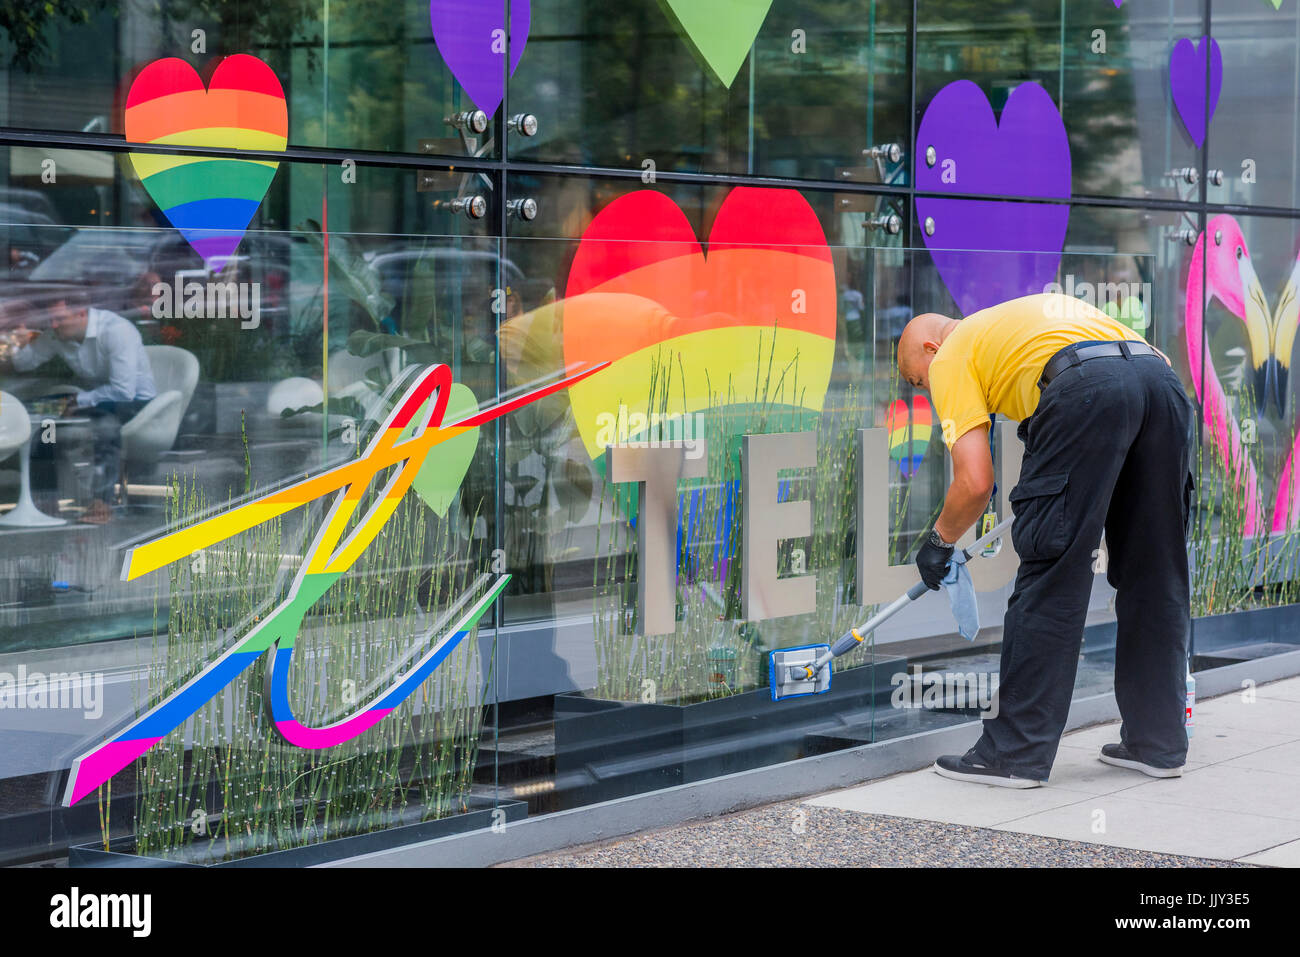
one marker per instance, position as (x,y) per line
(1074,355)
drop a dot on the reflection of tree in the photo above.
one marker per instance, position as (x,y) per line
(244,27)
(999,45)
(29,23)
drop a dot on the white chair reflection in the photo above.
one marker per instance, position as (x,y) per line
(153,430)
(16,435)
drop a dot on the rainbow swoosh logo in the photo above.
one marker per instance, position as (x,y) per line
(909,435)
(413,429)
(210,200)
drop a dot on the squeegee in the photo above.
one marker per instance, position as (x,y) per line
(807,669)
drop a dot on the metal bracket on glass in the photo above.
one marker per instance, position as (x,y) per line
(1186,236)
(891,223)
(472,207)
(890,153)
(880,215)
(1214,177)
(471,126)
(1183,176)
(525,124)
(874,171)
(525,209)
(473,122)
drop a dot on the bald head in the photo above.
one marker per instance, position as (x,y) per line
(919,343)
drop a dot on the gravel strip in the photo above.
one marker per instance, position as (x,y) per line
(765,837)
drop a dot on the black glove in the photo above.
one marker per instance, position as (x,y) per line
(932,560)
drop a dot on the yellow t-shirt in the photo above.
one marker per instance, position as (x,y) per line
(992,361)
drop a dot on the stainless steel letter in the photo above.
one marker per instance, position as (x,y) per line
(766,522)
(657,472)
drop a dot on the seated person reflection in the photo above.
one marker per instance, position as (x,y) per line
(107,355)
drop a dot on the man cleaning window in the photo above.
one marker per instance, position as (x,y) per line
(1106,427)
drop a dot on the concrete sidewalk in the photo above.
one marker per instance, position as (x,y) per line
(1237,804)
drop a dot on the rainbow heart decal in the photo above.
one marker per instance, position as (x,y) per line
(909,436)
(210,200)
(641,290)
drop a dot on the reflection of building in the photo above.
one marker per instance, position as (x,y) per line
(401,230)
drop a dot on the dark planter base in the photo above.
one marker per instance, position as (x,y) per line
(1220,640)
(610,749)
(479,816)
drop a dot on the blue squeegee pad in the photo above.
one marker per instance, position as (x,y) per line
(771,673)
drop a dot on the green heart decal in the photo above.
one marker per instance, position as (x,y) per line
(440,476)
(720,31)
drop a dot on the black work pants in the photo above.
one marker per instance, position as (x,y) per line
(1109,447)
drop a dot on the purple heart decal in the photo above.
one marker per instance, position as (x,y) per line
(1187,64)
(471,36)
(989,251)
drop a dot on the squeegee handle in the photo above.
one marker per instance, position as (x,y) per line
(850,641)
(856,636)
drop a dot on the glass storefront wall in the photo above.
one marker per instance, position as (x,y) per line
(370,290)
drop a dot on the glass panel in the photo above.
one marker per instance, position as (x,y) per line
(1247,494)
(653,307)
(182,417)
(287,301)
(1106,69)
(677,87)
(550,475)
(1253,130)
(386,76)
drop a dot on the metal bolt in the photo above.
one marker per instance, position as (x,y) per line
(471,121)
(525,209)
(523,123)
(1188,174)
(889,222)
(1215,177)
(1218,237)
(891,152)
(931,157)
(475,207)
(929,225)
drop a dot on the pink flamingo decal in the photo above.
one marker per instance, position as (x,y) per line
(1286,317)
(1221,268)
